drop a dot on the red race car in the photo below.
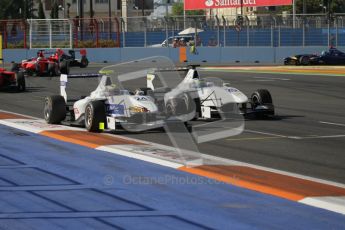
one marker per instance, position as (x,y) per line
(42,66)
(9,79)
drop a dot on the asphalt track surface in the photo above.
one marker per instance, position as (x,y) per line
(306,136)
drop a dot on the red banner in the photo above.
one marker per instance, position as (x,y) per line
(213,4)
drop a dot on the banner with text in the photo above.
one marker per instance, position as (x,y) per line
(213,4)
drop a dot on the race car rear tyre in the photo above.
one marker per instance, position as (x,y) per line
(54,109)
(95,115)
(52,71)
(20,78)
(304,60)
(176,107)
(84,62)
(64,67)
(197,103)
(188,101)
(15,67)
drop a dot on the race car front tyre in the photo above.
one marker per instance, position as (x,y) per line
(64,67)
(262,97)
(20,78)
(84,62)
(54,109)
(95,115)
(15,67)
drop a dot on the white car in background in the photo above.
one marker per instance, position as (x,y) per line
(210,96)
(169,42)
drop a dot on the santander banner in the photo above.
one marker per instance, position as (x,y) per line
(212,4)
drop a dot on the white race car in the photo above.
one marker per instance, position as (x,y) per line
(107,107)
(210,96)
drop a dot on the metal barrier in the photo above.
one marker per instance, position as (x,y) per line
(230,31)
(218,30)
(54,33)
(14,33)
(96,32)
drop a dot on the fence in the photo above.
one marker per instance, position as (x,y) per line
(225,31)
(14,33)
(61,33)
(50,33)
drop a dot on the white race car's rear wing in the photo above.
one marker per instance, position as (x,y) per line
(64,79)
(191,74)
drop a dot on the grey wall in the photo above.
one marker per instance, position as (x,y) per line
(216,55)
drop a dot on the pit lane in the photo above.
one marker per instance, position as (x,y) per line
(306,137)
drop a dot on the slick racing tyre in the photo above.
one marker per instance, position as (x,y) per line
(304,60)
(20,78)
(94,115)
(64,67)
(176,107)
(84,62)
(52,70)
(189,102)
(15,67)
(261,97)
(54,109)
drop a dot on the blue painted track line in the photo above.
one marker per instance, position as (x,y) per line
(49,184)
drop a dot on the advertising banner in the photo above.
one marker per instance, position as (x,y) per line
(214,4)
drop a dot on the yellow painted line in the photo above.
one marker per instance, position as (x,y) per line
(253,138)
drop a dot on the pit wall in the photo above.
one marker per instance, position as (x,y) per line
(211,55)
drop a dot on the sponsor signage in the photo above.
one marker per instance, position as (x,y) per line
(115,109)
(212,4)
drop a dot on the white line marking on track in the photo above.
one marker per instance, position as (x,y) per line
(335,204)
(265,133)
(295,137)
(331,123)
(273,78)
(318,137)
(260,80)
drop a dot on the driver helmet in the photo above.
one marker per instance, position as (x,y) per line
(59,51)
(201,83)
(139,92)
(112,90)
